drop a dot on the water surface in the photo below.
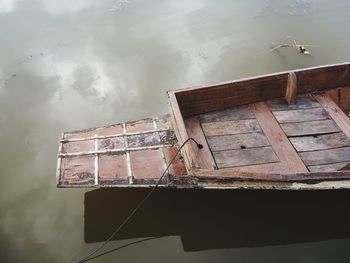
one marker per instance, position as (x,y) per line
(69,65)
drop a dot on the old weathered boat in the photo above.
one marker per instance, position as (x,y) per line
(288,130)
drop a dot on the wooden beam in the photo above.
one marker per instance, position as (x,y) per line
(222,96)
(278,139)
(203,156)
(195,101)
(292,88)
(335,112)
(323,78)
(231,174)
(181,132)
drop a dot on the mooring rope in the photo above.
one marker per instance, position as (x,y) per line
(127,219)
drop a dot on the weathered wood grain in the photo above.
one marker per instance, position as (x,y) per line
(232,158)
(335,112)
(234,113)
(325,77)
(270,168)
(327,167)
(90,133)
(300,103)
(180,131)
(326,156)
(310,127)
(301,115)
(232,174)
(292,88)
(198,101)
(112,167)
(203,156)
(345,167)
(201,100)
(237,141)
(230,127)
(177,168)
(277,138)
(147,164)
(341,96)
(79,146)
(78,170)
(320,142)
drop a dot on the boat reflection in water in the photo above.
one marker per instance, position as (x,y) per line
(212,219)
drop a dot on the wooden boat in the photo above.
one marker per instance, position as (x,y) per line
(288,130)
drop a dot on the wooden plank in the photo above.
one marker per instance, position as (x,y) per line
(310,127)
(300,103)
(327,167)
(232,158)
(232,174)
(340,118)
(313,114)
(230,127)
(326,156)
(292,88)
(201,100)
(237,141)
(279,141)
(177,168)
(99,131)
(231,114)
(269,168)
(345,167)
(222,96)
(146,164)
(320,142)
(322,78)
(180,131)
(203,156)
(341,96)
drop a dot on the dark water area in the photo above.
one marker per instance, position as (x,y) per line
(67,65)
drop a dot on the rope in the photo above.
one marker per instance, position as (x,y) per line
(127,219)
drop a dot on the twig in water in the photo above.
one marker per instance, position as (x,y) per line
(301,48)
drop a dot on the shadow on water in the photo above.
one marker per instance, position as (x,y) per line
(211,219)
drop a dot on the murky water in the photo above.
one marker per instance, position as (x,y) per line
(68,65)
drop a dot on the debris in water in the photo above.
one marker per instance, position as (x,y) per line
(301,48)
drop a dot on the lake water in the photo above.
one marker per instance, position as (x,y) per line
(67,65)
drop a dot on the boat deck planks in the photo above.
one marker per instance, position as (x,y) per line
(312,114)
(204,155)
(327,167)
(135,154)
(230,127)
(320,142)
(230,114)
(244,157)
(310,127)
(326,156)
(237,141)
(279,141)
(301,103)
